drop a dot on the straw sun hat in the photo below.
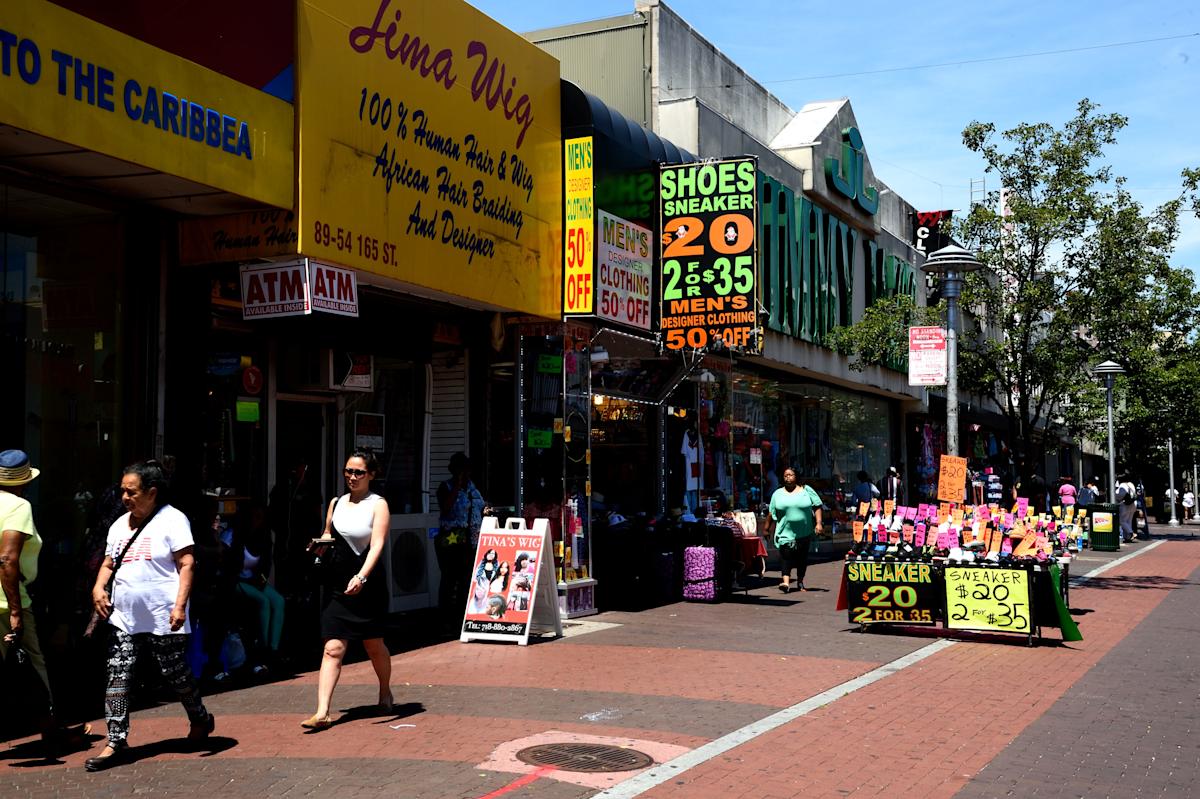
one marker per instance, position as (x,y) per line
(15,469)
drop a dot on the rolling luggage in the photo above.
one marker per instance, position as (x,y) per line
(700,574)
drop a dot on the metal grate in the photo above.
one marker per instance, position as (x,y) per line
(593,758)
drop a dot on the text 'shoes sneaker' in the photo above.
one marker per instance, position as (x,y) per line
(203,728)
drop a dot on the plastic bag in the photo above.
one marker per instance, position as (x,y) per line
(233,652)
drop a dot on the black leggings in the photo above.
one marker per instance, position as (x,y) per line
(794,556)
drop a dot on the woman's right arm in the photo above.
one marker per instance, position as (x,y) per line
(100,598)
(328,533)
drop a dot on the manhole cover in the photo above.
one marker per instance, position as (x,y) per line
(585,757)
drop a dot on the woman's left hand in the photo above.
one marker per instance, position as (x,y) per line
(354,586)
(178,617)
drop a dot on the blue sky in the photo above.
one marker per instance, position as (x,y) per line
(912,120)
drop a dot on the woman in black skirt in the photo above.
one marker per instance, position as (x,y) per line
(356,525)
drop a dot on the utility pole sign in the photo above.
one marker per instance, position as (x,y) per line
(926,356)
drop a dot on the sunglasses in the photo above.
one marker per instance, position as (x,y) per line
(355,472)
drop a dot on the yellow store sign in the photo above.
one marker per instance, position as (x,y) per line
(429,150)
(72,79)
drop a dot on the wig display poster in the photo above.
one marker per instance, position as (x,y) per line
(512,590)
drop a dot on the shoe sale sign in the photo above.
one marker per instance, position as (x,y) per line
(709,254)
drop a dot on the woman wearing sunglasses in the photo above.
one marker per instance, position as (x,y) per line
(356,525)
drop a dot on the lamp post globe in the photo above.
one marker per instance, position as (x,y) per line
(1109,371)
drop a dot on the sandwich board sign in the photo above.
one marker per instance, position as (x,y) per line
(512,591)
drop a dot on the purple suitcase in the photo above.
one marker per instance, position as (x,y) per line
(700,574)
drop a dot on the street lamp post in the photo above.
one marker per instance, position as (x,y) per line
(1174,522)
(952,263)
(1109,371)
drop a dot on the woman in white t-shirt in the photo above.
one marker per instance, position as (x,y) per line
(150,549)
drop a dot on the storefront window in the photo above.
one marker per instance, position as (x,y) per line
(61,343)
(828,434)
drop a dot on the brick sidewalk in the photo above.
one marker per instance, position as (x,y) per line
(674,678)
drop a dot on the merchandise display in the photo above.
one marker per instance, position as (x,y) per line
(969,567)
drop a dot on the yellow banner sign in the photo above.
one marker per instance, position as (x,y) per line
(72,79)
(579,227)
(988,599)
(430,150)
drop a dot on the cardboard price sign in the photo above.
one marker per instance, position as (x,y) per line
(952,479)
(709,254)
(899,593)
(988,599)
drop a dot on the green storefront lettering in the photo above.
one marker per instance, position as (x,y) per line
(847,174)
(808,258)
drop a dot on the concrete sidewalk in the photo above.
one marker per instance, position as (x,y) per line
(724,694)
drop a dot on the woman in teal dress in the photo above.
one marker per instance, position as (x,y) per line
(795,516)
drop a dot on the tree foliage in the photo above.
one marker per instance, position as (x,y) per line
(1076,272)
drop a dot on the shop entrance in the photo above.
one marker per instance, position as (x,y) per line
(307,476)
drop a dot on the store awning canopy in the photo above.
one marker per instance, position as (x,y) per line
(38,157)
(580,109)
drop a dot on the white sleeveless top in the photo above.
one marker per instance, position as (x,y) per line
(354,520)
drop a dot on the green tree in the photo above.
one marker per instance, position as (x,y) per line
(1076,272)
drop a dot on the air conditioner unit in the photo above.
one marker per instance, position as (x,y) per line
(411,562)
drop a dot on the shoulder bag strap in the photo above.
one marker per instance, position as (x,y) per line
(112,578)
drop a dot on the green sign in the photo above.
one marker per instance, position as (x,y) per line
(549,364)
(709,254)
(247,411)
(846,175)
(809,265)
(540,439)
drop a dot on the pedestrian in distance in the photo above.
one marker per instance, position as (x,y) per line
(150,560)
(794,517)
(356,527)
(864,489)
(1126,497)
(1189,504)
(892,486)
(460,515)
(1089,494)
(1067,494)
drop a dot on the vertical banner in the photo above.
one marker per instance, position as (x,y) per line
(929,234)
(927,365)
(512,587)
(579,226)
(623,272)
(709,254)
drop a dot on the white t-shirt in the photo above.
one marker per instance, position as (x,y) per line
(691,463)
(147,580)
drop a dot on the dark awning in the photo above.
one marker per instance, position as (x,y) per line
(583,110)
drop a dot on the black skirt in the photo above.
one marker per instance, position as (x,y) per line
(359,616)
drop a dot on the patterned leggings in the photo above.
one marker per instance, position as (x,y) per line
(171,653)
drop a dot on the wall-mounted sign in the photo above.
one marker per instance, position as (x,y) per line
(334,290)
(929,234)
(709,254)
(431,150)
(274,290)
(353,371)
(624,271)
(927,356)
(579,225)
(237,237)
(80,82)
(847,175)
(369,431)
(297,288)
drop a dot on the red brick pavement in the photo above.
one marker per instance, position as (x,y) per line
(955,709)
(927,730)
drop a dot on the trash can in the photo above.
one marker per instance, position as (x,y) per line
(1104,527)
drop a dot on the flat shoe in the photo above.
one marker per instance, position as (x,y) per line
(784,588)
(317,723)
(202,729)
(389,705)
(119,755)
